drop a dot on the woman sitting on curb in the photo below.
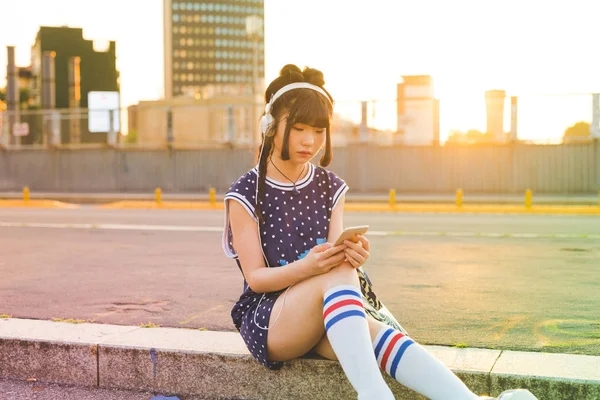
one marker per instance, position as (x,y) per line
(281,220)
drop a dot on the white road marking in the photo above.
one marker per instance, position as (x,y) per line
(187,228)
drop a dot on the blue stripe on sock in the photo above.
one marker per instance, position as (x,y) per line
(346,314)
(341,293)
(382,342)
(399,356)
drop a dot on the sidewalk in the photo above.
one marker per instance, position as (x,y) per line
(190,362)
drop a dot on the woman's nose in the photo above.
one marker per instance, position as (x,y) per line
(308,139)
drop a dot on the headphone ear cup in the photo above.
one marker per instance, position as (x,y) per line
(265,121)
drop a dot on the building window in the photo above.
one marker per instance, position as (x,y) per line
(175,17)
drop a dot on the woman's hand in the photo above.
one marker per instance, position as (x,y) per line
(324,257)
(357,253)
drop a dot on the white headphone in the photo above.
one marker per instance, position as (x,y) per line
(267,119)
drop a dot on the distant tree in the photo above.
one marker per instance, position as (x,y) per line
(24,96)
(472,136)
(131,137)
(579,130)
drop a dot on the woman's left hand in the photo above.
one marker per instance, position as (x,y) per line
(357,253)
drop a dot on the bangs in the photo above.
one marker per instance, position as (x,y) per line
(310,108)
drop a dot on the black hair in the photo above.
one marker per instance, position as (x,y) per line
(305,106)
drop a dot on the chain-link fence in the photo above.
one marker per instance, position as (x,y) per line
(425,121)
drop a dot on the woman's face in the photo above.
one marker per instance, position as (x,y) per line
(305,141)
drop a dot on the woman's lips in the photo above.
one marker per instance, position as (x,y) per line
(304,153)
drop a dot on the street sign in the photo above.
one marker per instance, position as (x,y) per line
(21,129)
(100,107)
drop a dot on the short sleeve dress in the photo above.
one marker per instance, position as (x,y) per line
(293,223)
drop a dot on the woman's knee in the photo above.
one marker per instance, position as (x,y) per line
(343,274)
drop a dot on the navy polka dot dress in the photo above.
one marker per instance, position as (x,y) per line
(294,222)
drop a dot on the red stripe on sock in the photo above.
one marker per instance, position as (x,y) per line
(389,349)
(339,304)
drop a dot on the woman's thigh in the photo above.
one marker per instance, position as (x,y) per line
(300,325)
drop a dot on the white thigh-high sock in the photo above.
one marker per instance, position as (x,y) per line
(348,333)
(411,365)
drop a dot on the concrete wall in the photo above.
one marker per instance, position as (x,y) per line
(570,168)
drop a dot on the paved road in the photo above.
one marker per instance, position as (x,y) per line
(517,291)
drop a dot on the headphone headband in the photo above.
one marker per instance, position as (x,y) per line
(296,85)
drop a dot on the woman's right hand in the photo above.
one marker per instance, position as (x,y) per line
(324,257)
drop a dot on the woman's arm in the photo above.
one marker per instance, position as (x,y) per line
(262,279)
(336,225)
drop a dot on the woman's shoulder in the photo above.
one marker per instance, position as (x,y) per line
(243,187)
(244,182)
(334,179)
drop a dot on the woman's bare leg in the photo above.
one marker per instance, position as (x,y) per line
(330,303)
(300,325)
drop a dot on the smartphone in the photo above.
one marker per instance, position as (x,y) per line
(350,234)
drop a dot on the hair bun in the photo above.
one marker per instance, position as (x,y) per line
(291,73)
(313,76)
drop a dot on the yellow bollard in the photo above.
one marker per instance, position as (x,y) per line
(158,195)
(212,196)
(528,198)
(392,197)
(459,198)
(25,193)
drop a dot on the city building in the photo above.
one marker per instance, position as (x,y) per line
(215,42)
(494,105)
(418,120)
(216,116)
(97,68)
(65,69)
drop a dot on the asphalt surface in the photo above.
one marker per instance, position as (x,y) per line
(167,267)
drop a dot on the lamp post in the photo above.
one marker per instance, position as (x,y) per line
(254,25)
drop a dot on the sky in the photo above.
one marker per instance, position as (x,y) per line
(543,51)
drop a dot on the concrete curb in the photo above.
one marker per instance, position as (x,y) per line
(36,204)
(351,207)
(218,365)
(380,207)
(352,197)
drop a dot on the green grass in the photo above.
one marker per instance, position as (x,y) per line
(149,325)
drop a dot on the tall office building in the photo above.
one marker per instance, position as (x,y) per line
(213,42)
(98,68)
